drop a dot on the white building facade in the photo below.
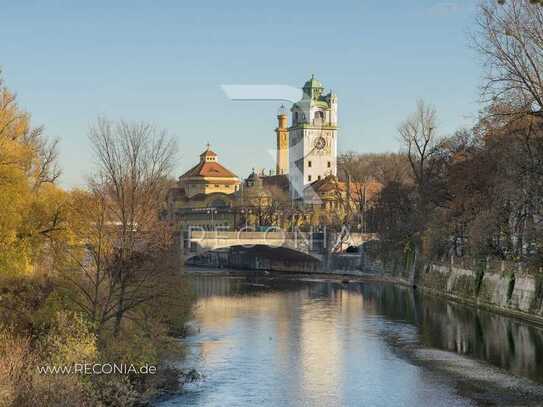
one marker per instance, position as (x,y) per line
(312,138)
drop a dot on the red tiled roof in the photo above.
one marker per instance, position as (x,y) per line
(209,169)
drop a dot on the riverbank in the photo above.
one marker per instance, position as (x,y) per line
(498,286)
(484,384)
(346,340)
(486,290)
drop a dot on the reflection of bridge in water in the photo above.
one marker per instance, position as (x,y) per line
(313,246)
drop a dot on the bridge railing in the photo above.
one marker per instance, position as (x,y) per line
(316,242)
(218,234)
(198,240)
(272,234)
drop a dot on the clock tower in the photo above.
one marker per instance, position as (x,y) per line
(312,138)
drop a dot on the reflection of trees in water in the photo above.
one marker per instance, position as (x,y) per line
(204,286)
(502,341)
(395,303)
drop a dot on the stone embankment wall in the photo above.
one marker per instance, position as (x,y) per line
(499,286)
(512,291)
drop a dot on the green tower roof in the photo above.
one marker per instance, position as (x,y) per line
(313,83)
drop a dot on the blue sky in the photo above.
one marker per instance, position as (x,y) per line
(164,62)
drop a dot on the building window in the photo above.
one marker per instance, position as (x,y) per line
(319,117)
(329,164)
(319,177)
(216,186)
(309,164)
(309,178)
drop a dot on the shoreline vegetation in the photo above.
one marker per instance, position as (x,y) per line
(87,276)
(473,197)
(92,275)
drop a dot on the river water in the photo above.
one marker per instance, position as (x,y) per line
(279,341)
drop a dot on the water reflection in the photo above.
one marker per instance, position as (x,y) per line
(504,342)
(272,342)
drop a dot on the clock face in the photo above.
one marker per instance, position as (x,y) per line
(320,143)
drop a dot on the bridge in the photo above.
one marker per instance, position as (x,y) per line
(315,245)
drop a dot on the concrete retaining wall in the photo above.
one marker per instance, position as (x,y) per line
(513,292)
(495,285)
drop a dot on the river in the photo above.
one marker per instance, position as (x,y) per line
(268,340)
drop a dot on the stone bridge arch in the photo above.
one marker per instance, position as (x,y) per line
(258,257)
(273,249)
(197,243)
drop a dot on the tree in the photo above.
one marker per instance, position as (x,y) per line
(510,38)
(516,153)
(100,252)
(419,139)
(133,163)
(540,2)
(357,171)
(364,175)
(31,203)
(87,270)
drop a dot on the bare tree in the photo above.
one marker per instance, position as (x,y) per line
(510,38)
(391,167)
(88,262)
(45,168)
(133,163)
(540,2)
(418,137)
(364,175)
